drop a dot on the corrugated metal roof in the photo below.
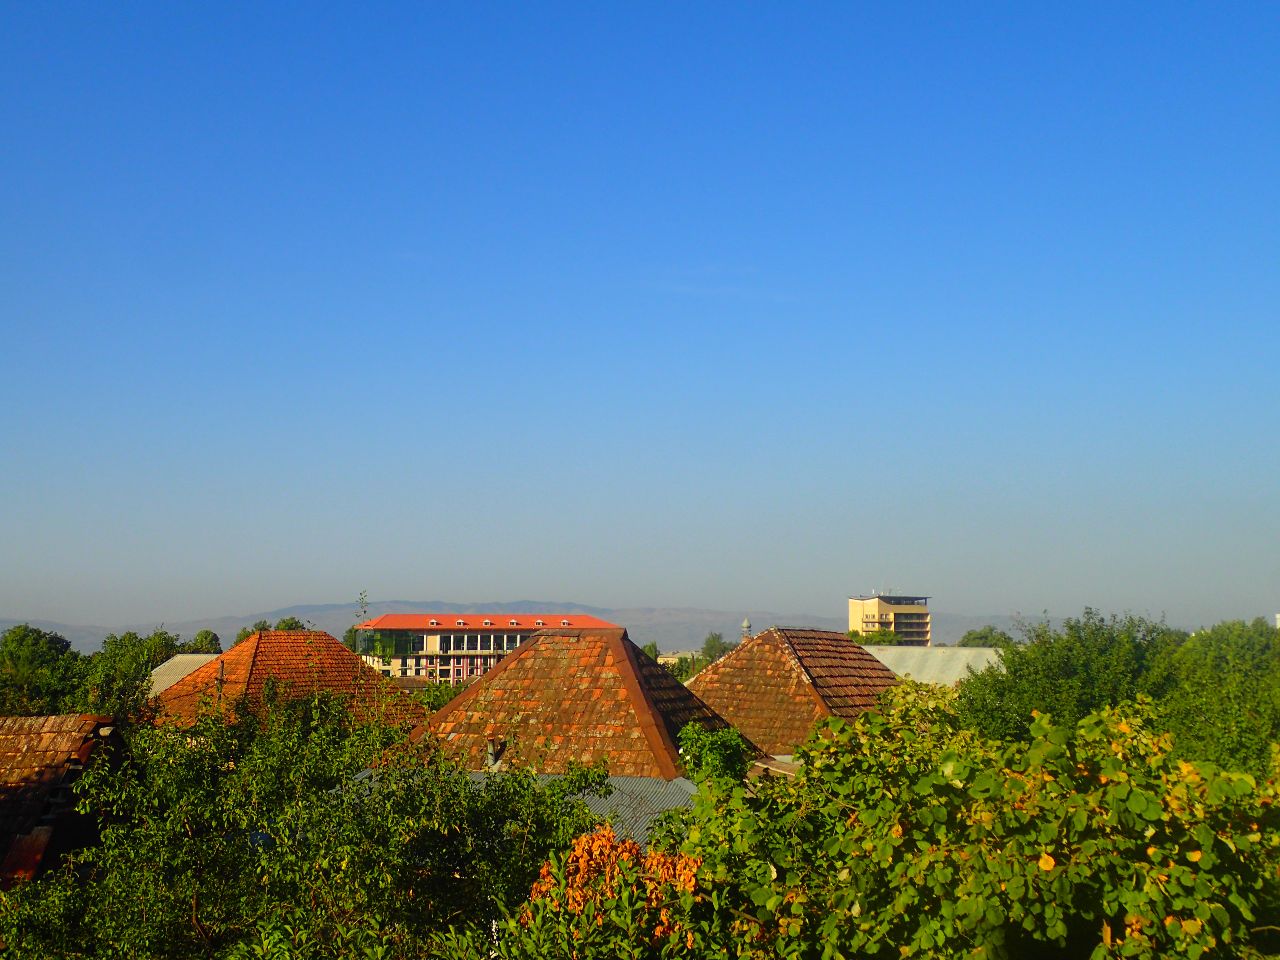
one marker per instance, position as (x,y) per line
(942,665)
(633,802)
(175,668)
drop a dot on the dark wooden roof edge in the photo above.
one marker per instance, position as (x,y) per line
(664,749)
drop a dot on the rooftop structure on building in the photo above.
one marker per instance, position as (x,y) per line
(40,757)
(290,664)
(455,648)
(775,686)
(908,617)
(573,696)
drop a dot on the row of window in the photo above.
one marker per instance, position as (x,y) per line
(490,623)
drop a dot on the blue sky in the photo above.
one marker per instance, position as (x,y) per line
(739,306)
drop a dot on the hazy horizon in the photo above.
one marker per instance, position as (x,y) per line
(713,307)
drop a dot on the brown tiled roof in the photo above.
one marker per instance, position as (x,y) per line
(774,686)
(573,695)
(297,663)
(39,757)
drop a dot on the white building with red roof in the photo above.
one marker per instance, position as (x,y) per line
(455,648)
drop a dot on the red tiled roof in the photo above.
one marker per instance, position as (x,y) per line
(476,621)
(774,686)
(573,695)
(298,663)
(39,756)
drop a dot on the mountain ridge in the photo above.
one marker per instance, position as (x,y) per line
(671,628)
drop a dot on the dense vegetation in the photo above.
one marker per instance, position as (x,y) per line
(1111,792)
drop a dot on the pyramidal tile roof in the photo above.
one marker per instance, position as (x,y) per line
(774,686)
(39,757)
(573,695)
(297,663)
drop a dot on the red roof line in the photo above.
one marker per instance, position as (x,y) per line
(661,745)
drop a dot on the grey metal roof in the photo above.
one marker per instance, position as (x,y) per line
(942,665)
(175,668)
(633,803)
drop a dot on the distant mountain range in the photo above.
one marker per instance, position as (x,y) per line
(672,628)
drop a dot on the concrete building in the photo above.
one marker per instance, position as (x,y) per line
(908,617)
(455,648)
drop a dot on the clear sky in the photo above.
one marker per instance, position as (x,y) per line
(740,306)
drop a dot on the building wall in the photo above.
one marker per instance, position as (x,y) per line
(911,621)
(443,656)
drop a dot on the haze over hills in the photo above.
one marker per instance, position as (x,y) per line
(672,628)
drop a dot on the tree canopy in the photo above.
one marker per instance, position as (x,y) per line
(39,672)
(988,636)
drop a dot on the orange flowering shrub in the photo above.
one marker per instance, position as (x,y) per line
(600,867)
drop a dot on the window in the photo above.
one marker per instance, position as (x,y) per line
(538,623)
(513,623)
(473,641)
(419,644)
(460,623)
(564,623)
(488,623)
(435,623)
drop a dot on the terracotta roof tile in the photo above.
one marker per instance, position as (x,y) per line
(774,686)
(574,695)
(297,663)
(39,757)
(484,621)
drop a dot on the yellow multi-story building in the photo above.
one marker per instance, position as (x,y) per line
(908,617)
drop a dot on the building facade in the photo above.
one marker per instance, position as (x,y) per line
(908,617)
(454,648)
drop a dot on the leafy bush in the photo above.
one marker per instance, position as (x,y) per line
(294,826)
(906,835)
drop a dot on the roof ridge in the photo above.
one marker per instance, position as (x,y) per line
(665,750)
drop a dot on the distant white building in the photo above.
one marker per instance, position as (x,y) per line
(946,666)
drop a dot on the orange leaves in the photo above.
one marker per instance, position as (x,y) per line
(1047,862)
(600,866)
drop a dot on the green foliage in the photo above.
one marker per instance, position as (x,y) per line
(651,650)
(905,835)
(1090,663)
(714,647)
(117,680)
(294,832)
(39,672)
(1220,695)
(290,623)
(875,638)
(206,641)
(246,632)
(685,667)
(721,754)
(988,636)
(433,696)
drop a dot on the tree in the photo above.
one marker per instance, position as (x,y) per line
(118,677)
(247,632)
(293,828)
(39,672)
(988,636)
(206,641)
(904,834)
(290,623)
(714,647)
(875,638)
(1219,693)
(651,650)
(1092,662)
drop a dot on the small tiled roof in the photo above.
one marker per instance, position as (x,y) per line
(175,668)
(774,686)
(574,695)
(943,665)
(296,662)
(485,621)
(39,757)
